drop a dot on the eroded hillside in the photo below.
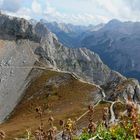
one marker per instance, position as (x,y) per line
(61,96)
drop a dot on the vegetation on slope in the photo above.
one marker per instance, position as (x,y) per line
(126,127)
(67,98)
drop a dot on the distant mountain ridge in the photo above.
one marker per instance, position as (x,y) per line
(70,35)
(117,43)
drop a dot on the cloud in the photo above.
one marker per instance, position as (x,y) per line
(74,11)
(82,12)
(22,13)
(10,5)
(52,14)
(1,1)
(36,7)
(16,8)
(134,5)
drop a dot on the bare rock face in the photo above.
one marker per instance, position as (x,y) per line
(81,61)
(16,28)
(15,65)
(17,43)
(128,88)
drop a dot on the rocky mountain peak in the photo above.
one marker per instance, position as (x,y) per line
(16,28)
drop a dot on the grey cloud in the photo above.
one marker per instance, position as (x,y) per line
(11,5)
(133,4)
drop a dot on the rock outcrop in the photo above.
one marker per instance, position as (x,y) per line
(12,28)
(128,88)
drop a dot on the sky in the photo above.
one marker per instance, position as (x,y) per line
(79,12)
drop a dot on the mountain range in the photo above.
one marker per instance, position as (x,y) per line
(70,35)
(116,42)
(35,66)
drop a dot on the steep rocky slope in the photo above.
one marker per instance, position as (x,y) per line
(16,61)
(81,61)
(25,47)
(116,42)
(15,66)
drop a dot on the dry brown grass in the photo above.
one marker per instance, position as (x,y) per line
(69,100)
